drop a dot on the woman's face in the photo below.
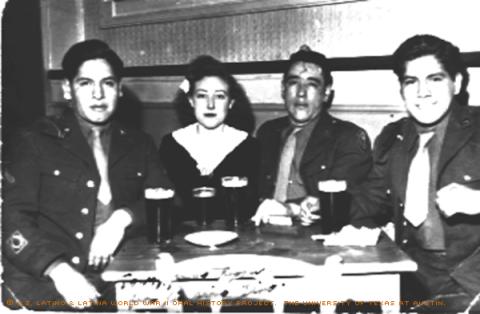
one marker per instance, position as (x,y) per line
(211,101)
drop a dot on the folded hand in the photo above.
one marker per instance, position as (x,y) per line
(107,238)
(267,209)
(309,210)
(77,291)
(456,198)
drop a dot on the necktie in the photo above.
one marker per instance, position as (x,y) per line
(416,197)
(104,194)
(283,174)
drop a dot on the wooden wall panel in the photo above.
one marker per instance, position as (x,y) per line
(366,28)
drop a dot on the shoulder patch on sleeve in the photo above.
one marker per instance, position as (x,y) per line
(17,242)
(8,177)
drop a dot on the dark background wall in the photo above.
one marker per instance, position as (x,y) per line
(353,29)
(23,74)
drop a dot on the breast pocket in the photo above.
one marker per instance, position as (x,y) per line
(59,186)
(464,171)
(129,182)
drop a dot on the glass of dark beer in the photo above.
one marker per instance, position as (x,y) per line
(159,207)
(235,191)
(334,205)
(203,198)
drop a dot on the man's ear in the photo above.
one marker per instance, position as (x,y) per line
(401,91)
(120,88)
(67,89)
(283,90)
(328,93)
(458,83)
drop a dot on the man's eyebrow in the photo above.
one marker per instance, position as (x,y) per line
(310,78)
(443,74)
(80,78)
(291,76)
(405,77)
(316,80)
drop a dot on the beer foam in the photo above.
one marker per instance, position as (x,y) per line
(332,186)
(204,192)
(158,193)
(234,182)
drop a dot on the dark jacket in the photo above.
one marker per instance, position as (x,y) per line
(336,150)
(383,194)
(183,172)
(50,196)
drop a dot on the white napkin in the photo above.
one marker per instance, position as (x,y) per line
(349,235)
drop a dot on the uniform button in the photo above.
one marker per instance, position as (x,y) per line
(90,183)
(467,177)
(66,130)
(400,204)
(400,137)
(388,192)
(404,241)
(290,182)
(139,174)
(122,132)
(84,211)
(323,167)
(56,172)
(76,260)
(79,235)
(404,223)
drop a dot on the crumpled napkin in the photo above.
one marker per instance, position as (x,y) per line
(349,235)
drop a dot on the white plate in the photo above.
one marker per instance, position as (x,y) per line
(211,238)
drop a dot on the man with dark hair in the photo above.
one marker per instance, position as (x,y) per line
(73,187)
(426,175)
(307,146)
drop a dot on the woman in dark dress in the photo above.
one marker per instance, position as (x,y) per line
(215,141)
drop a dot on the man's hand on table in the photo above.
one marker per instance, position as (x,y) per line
(456,198)
(107,238)
(270,210)
(309,210)
(72,285)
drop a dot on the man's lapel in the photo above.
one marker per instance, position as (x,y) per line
(121,144)
(73,140)
(401,159)
(459,131)
(320,136)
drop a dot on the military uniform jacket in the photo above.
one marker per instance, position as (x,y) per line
(336,150)
(383,194)
(50,194)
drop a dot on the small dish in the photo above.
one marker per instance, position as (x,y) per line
(211,238)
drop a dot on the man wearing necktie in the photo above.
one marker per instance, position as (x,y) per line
(426,176)
(308,145)
(74,189)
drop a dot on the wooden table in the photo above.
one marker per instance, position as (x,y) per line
(281,264)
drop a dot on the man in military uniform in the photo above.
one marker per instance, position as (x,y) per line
(426,175)
(308,145)
(73,187)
